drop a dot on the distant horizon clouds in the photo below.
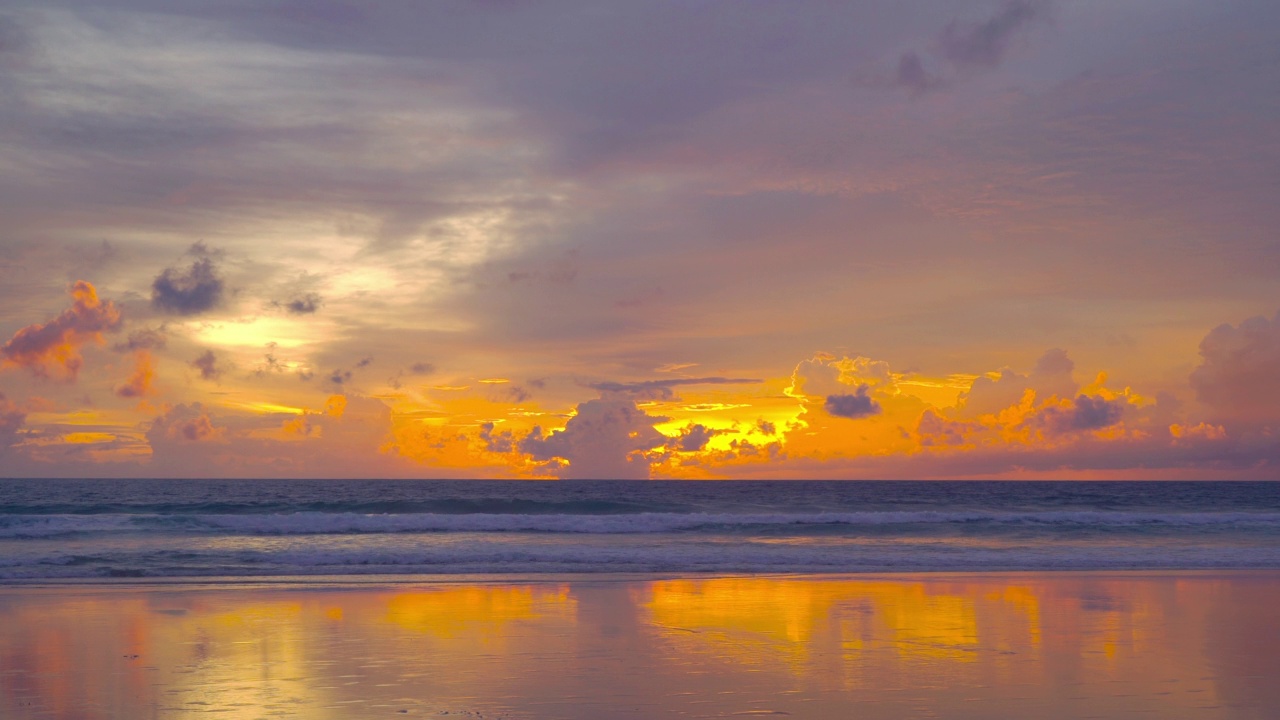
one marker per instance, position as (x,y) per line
(975,239)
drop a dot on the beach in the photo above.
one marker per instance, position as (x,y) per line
(1167,644)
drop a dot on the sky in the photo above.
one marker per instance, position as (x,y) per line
(751,239)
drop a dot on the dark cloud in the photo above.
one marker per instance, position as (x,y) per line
(340,377)
(55,346)
(207,364)
(912,74)
(422,368)
(190,291)
(145,339)
(693,437)
(304,305)
(857,405)
(1087,412)
(607,440)
(1239,374)
(662,389)
(364,362)
(984,44)
(963,47)
(766,427)
(500,442)
(271,363)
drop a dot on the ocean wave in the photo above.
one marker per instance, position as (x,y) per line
(320,523)
(657,558)
(641,523)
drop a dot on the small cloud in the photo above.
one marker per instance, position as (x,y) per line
(190,291)
(965,47)
(305,305)
(984,44)
(1086,412)
(145,339)
(911,74)
(139,383)
(184,423)
(422,368)
(857,405)
(340,377)
(693,437)
(207,364)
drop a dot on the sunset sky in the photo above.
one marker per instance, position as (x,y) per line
(695,239)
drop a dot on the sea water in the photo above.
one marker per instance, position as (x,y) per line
(254,528)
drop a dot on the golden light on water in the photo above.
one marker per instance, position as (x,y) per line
(1051,646)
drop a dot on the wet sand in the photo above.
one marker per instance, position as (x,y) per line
(1010,645)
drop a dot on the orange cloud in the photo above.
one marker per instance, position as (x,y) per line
(184,423)
(140,381)
(52,349)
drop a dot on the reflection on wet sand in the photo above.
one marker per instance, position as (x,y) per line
(968,646)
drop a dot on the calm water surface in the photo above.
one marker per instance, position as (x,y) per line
(1031,645)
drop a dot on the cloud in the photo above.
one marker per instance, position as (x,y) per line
(500,442)
(190,291)
(606,439)
(857,405)
(140,381)
(912,74)
(419,368)
(963,47)
(934,430)
(207,364)
(183,424)
(825,375)
(1051,377)
(11,419)
(145,339)
(1239,374)
(693,437)
(1086,412)
(985,44)
(662,389)
(305,305)
(53,349)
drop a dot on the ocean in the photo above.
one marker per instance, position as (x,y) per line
(66,529)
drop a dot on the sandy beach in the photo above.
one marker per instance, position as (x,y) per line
(966,645)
